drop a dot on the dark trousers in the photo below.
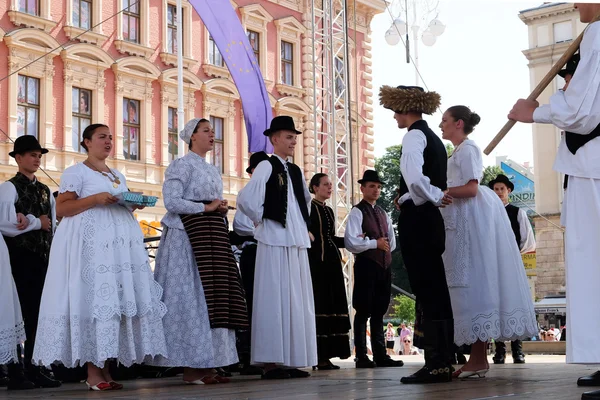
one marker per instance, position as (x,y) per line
(247,267)
(29,273)
(370,299)
(422,241)
(516,346)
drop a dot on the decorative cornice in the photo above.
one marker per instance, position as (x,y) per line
(533,16)
(86,36)
(31,21)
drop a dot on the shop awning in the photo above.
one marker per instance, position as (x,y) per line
(551,305)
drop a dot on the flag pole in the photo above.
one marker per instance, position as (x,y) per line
(180,116)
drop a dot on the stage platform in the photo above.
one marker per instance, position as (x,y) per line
(542,377)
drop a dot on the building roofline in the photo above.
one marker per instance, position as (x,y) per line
(548,5)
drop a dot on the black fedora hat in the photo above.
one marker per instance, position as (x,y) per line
(282,123)
(255,159)
(370,175)
(502,179)
(26,143)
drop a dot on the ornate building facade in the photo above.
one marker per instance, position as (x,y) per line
(66,64)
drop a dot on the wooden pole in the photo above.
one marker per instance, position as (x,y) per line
(537,91)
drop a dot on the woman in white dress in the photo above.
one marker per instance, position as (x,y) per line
(12,329)
(485,274)
(202,281)
(100,300)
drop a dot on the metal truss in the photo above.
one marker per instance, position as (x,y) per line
(331,110)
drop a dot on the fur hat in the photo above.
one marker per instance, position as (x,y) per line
(403,99)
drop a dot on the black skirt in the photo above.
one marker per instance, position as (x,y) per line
(331,305)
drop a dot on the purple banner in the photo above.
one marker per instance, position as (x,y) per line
(230,38)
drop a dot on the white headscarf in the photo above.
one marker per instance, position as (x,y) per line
(188,130)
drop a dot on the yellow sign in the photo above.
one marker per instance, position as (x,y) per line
(149,229)
(529,261)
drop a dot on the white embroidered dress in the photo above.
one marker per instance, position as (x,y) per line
(192,342)
(12,330)
(100,300)
(486,277)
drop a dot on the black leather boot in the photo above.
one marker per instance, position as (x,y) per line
(590,380)
(593,395)
(439,339)
(517,352)
(360,341)
(500,356)
(17,379)
(40,377)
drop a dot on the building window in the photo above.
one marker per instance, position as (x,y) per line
(81,114)
(172,29)
(28,106)
(217,153)
(173,138)
(131,129)
(253,38)
(82,13)
(563,32)
(30,7)
(131,20)
(215,57)
(287,63)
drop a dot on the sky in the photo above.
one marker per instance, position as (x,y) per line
(477,62)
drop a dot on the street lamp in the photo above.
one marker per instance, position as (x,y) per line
(429,35)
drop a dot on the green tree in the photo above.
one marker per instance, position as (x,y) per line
(404,309)
(490,173)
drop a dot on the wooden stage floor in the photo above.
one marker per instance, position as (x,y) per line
(542,377)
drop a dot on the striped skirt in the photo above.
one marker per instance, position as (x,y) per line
(218,270)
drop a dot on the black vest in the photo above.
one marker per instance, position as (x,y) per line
(275,206)
(513,216)
(32,198)
(575,141)
(434,156)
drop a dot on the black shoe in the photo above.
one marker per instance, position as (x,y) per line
(427,375)
(388,362)
(327,367)
(4,381)
(297,373)
(461,359)
(364,363)
(590,380)
(277,373)
(251,370)
(519,358)
(17,379)
(223,372)
(20,385)
(499,359)
(38,376)
(594,395)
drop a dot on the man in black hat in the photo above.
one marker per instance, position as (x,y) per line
(244,233)
(503,187)
(30,250)
(283,314)
(421,227)
(370,236)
